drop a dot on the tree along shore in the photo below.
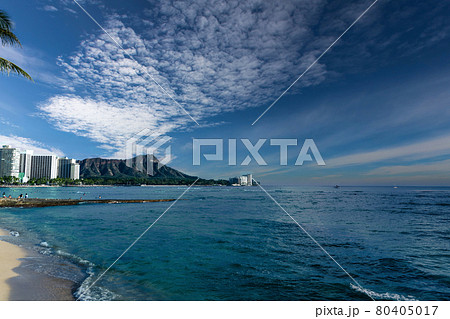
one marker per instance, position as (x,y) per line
(114,181)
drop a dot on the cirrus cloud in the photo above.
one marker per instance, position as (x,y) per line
(211,57)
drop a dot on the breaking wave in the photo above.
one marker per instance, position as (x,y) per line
(383,296)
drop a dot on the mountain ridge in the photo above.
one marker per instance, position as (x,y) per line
(118,168)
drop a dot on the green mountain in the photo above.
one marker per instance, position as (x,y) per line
(117,168)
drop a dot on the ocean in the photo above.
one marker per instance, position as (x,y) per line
(235,243)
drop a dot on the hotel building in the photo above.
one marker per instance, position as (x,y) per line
(68,168)
(9,161)
(44,166)
(243,180)
(25,165)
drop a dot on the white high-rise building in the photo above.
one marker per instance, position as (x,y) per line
(64,164)
(25,165)
(44,166)
(75,171)
(68,168)
(9,161)
(244,180)
(249,180)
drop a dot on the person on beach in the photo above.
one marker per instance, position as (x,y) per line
(4,195)
(20,196)
(9,196)
(26,195)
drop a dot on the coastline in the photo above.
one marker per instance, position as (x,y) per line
(50,186)
(115,185)
(18,281)
(9,256)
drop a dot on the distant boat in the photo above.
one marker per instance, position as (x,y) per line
(336,186)
(395,187)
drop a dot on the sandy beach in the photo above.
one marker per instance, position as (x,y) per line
(17,282)
(9,259)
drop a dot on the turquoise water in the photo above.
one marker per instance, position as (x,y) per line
(225,243)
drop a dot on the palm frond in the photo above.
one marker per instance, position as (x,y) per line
(7,37)
(8,67)
(5,21)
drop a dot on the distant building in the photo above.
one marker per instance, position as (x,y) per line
(68,168)
(44,166)
(9,161)
(243,180)
(249,180)
(25,166)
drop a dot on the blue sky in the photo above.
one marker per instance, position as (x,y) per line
(376,105)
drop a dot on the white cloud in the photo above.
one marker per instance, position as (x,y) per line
(419,150)
(106,123)
(7,123)
(24,143)
(212,57)
(50,8)
(439,167)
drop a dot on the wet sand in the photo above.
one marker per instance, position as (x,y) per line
(9,260)
(19,282)
(33,286)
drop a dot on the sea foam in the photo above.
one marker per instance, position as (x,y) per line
(383,296)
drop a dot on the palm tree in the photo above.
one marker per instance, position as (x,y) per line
(9,38)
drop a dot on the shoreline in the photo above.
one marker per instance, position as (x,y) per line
(115,185)
(18,281)
(9,256)
(50,186)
